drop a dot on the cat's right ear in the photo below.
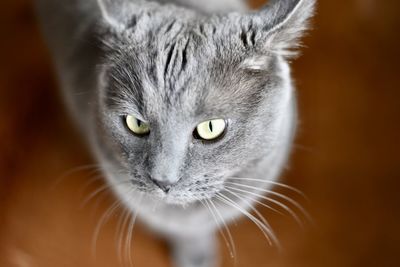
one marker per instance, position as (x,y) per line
(280,25)
(115,12)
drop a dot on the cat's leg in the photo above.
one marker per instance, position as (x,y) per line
(198,251)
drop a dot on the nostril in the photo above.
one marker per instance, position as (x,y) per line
(164,185)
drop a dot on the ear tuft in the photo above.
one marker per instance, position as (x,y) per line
(256,63)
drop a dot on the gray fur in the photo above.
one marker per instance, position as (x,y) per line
(175,65)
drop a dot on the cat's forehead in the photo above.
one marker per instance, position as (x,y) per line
(186,67)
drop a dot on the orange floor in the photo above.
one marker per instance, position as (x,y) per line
(346,158)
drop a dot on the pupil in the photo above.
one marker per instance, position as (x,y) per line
(210,126)
(139,123)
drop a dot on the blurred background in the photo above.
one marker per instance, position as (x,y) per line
(346,157)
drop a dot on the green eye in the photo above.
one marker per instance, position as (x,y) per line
(210,130)
(137,126)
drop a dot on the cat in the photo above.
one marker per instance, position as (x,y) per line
(189,106)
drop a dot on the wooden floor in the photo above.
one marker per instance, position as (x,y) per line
(346,158)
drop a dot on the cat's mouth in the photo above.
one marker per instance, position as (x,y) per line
(180,194)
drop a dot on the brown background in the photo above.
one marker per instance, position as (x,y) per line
(346,159)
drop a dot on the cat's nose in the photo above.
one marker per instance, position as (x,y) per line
(165,185)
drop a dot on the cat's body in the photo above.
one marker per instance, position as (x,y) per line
(217,68)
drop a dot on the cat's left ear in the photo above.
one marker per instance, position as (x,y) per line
(116,13)
(280,24)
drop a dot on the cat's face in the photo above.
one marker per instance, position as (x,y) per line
(187,102)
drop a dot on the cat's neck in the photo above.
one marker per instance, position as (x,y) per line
(210,6)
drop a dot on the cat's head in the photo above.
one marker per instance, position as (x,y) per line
(188,99)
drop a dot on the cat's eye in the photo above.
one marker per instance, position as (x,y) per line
(210,130)
(137,126)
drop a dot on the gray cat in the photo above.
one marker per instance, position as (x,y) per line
(188,105)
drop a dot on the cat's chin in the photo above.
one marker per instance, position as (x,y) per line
(175,200)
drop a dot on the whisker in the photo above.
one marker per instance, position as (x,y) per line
(100,190)
(128,243)
(232,243)
(282,196)
(121,231)
(289,210)
(291,188)
(99,199)
(244,197)
(262,218)
(124,221)
(205,204)
(92,167)
(264,229)
(92,180)
(308,149)
(104,218)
